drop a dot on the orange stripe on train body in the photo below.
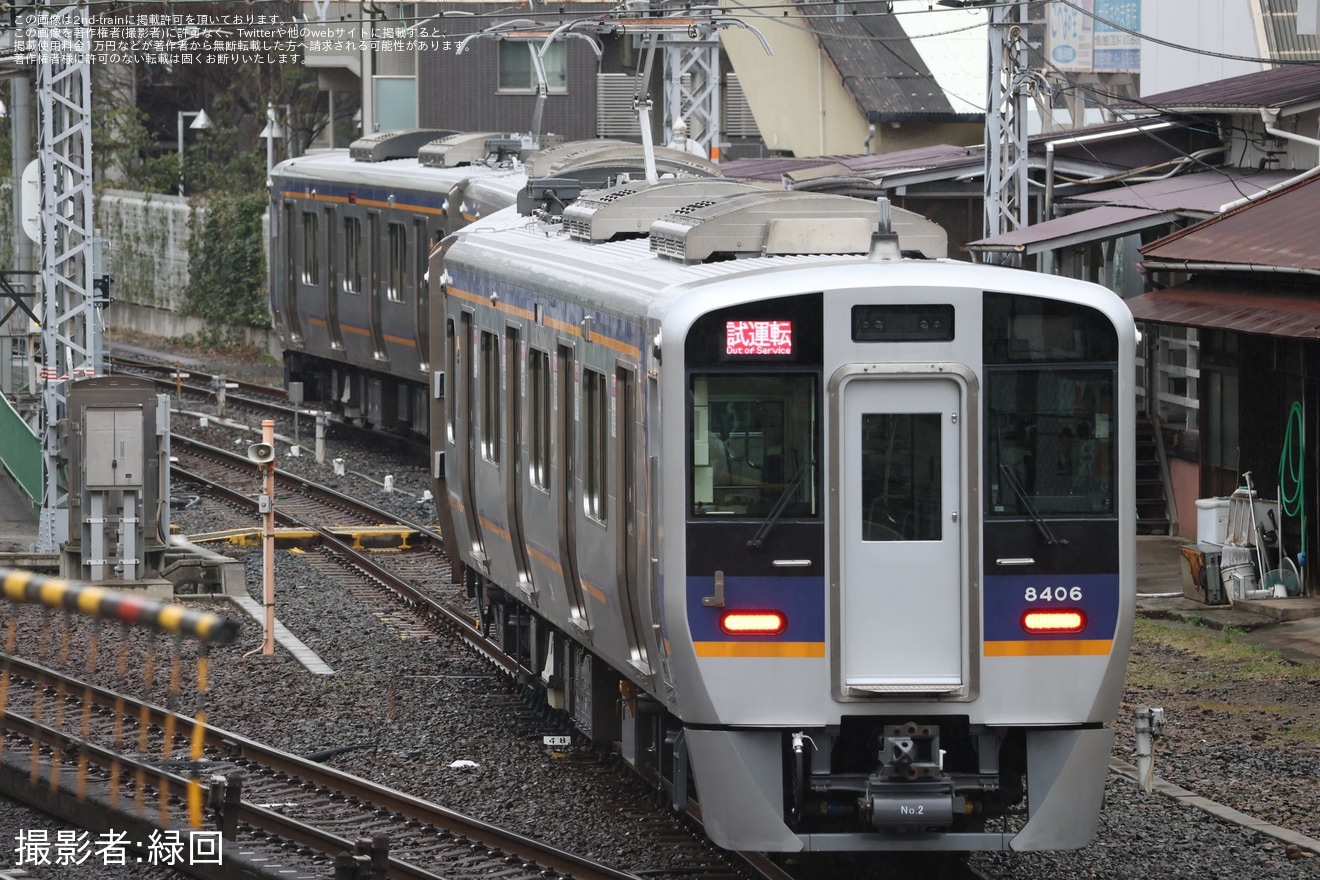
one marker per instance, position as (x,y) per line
(1050,648)
(561,326)
(759,649)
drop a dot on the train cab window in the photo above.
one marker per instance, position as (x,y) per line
(311,250)
(753,445)
(352,255)
(1049,441)
(538,417)
(398,261)
(517,73)
(491,405)
(901,477)
(595,436)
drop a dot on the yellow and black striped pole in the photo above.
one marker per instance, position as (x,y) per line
(98,602)
(129,610)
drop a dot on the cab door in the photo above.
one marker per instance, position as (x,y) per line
(902,533)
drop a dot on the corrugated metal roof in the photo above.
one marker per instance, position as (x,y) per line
(1239,308)
(1279,18)
(1281,87)
(1202,191)
(882,69)
(1084,226)
(1275,231)
(869,165)
(1138,149)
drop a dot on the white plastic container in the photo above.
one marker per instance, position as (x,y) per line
(1239,579)
(1211,520)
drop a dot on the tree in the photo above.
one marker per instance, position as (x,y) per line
(136,106)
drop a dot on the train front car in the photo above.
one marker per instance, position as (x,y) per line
(852,534)
(908,555)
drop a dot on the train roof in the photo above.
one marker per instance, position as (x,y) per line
(627,276)
(590,160)
(336,166)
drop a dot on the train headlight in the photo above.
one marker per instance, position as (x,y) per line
(1054,620)
(753,623)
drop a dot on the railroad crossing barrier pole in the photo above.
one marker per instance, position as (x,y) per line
(321,418)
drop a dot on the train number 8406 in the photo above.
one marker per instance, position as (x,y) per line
(1053,594)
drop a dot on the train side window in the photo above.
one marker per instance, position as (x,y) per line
(491,408)
(595,428)
(311,250)
(398,261)
(538,416)
(352,255)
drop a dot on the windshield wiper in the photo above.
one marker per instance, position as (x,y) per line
(1021,493)
(773,516)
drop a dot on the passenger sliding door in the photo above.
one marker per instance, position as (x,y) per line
(901,441)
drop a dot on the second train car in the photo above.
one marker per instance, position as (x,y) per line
(350,235)
(838,540)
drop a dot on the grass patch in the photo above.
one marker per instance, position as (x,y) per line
(1212,656)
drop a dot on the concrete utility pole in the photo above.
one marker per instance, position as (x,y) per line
(70,311)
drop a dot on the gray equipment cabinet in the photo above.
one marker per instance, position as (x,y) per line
(118,477)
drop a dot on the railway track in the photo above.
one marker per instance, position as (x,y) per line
(203,385)
(299,501)
(227,397)
(419,579)
(288,811)
(281,814)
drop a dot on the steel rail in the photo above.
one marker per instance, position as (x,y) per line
(417,601)
(236,747)
(303,486)
(441,614)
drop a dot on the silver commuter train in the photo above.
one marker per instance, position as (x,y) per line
(838,541)
(350,235)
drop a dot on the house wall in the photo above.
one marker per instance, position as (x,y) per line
(802,106)
(891,138)
(460,92)
(1250,142)
(797,97)
(1228,27)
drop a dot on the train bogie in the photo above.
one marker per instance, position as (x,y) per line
(846,537)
